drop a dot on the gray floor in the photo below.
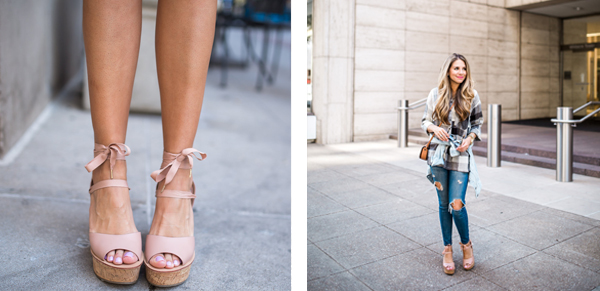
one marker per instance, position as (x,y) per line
(242,213)
(373,225)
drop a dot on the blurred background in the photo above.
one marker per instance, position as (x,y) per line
(242,213)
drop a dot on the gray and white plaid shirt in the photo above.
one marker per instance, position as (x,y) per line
(458,129)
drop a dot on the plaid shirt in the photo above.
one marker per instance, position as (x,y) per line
(458,129)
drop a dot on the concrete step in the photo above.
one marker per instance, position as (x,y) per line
(511,154)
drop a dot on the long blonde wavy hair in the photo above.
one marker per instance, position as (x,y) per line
(464,93)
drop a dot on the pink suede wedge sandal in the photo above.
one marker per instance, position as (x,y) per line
(101,244)
(183,247)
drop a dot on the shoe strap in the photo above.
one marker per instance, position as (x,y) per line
(172,162)
(107,183)
(112,152)
(183,247)
(102,243)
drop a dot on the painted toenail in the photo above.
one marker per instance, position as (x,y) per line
(159,258)
(110,258)
(118,260)
(169,264)
(176,263)
(128,254)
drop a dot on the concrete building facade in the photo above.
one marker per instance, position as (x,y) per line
(367,55)
(41,49)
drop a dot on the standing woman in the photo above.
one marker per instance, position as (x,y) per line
(453,115)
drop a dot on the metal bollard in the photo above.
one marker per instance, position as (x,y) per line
(564,145)
(402,123)
(494,145)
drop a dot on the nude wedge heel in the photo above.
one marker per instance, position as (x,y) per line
(469,263)
(183,247)
(100,243)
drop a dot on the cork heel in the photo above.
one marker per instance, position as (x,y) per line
(167,279)
(110,274)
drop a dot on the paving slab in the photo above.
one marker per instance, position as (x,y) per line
(323,204)
(497,209)
(582,250)
(394,211)
(339,282)
(475,284)
(336,224)
(539,230)
(543,272)
(321,265)
(366,246)
(362,197)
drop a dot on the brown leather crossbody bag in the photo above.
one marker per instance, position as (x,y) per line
(425,148)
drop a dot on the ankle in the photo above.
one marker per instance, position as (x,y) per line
(181,181)
(103,172)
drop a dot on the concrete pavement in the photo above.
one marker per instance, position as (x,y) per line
(242,213)
(373,225)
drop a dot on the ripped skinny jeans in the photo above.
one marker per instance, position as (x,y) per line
(452,186)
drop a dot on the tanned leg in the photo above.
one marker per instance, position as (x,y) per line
(111,33)
(184,37)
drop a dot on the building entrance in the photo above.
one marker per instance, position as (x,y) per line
(580,55)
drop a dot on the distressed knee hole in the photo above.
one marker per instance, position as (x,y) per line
(457,204)
(438,185)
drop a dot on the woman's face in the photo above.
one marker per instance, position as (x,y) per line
(458,71)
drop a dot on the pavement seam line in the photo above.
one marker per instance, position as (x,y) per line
(41,119)
(24,140)
(45,198)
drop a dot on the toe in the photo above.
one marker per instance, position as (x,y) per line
(118,257)
(110,256)
(176,261)
(129,257)
(169,259)
(158,261)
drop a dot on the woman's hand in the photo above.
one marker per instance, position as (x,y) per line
(465,144)
(439,132)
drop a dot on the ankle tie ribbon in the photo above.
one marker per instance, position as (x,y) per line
(114,151)
(174,162)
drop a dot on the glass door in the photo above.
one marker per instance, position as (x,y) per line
(581,63)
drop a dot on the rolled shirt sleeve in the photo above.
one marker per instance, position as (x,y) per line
(476,117)
(429,107)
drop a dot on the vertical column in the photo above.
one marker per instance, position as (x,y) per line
(494,142)
(402,123)
(564,145)
(333,70)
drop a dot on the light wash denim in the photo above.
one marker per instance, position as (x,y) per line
(453,186)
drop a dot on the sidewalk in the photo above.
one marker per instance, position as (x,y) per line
(242,213)
(373,225)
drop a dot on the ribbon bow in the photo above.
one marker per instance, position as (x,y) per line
(175,160)
(114,151)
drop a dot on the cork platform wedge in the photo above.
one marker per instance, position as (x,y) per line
(100,243)
(183,247)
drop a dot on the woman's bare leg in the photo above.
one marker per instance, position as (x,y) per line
(111,32)
(184,37)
